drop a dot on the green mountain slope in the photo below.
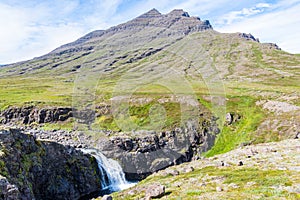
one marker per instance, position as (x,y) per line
(158,63)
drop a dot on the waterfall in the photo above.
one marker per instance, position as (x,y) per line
(112,175)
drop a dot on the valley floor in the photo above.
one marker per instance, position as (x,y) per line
(262,171)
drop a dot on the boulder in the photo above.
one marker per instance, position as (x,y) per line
(155,191)
(107,197)
(219,189)
(228,118)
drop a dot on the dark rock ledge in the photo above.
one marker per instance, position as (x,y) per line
(33,169)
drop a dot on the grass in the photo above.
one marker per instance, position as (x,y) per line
(264,184)
(34,91)
(242,131)
(69,126)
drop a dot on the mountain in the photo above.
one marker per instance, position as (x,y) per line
(156,91)
(234,64)
(159,58)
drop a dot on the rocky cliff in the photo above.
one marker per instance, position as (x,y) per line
(32,169)
(145,152)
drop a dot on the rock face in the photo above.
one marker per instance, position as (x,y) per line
(7,190)
(144,153)
(32,169)
(31,114)
(178,22)
(248,37)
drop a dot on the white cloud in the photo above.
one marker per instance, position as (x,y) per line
(33,31)
(232,16)
(281,26)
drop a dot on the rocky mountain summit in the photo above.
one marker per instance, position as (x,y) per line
(177,22)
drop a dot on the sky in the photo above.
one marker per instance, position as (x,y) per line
(32,28)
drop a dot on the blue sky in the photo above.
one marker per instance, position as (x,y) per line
(34,27)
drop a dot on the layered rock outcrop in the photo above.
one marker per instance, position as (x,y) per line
(31,114)
(143,153)
(33,169)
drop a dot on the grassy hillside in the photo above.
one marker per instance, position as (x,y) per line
(269,171)
(240,72)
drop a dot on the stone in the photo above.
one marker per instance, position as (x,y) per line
(297,135)
(132,192)
(224,164)
(30,114)
(250,184)
(155,191)
(177,184)
(12,192)
(202,184)
(231,118)
(228,118)
(107,197)
(173,172)
(219,189)
(188,169)
(248,37)
(233,185)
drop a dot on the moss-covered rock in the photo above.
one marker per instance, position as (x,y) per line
(32,169)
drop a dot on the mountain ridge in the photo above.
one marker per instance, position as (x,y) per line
(159,39)
(177,24)
(159,90)
(191,24)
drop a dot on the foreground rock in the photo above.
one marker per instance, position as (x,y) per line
(155,191)
(32,169)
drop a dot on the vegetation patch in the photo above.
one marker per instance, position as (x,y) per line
(236,183)
(241,132)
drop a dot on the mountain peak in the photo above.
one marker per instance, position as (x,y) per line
(177,22)
(153,13)
(179,13)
